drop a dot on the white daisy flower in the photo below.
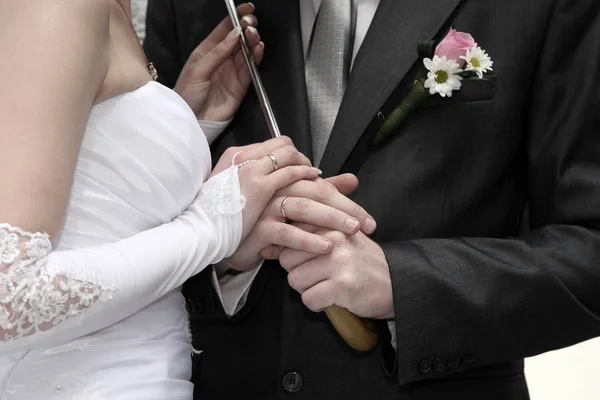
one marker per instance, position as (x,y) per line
(478,61)
(443,76)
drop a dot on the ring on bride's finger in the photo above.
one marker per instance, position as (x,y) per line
(283,208)
(274,161)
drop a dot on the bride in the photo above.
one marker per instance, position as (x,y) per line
(108,202)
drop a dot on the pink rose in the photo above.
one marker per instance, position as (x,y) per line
(454,45)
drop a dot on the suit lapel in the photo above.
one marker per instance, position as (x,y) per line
(387,54)
(283,69)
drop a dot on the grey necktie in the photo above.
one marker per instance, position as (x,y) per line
(328,67)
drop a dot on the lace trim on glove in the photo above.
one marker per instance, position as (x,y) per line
(221,194)
(31,298)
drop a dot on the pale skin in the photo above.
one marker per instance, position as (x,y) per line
(57,72)
(317,202)
(354,274)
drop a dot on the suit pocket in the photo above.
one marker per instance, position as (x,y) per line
(472,90)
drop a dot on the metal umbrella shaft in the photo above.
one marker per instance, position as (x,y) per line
(258,85)
(350,327)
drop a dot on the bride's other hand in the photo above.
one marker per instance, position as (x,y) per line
(215,78)
(320,203)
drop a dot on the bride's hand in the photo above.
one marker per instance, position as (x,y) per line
(215,78)
(264,169)
(320,203)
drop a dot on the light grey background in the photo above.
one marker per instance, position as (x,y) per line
(138,8)
(568,374)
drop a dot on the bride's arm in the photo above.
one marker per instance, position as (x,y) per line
(53,66)
(54,62)
(48,297)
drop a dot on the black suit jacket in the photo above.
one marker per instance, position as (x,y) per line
(473,296)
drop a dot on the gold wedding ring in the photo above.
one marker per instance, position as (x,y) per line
(274,162)
(283,208)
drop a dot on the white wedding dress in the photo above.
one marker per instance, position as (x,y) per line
(100,316)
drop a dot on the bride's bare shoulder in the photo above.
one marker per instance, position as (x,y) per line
(54,61)
(62,36)
(45,19)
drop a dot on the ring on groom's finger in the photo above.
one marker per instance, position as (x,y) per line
(274,162)
(283,208)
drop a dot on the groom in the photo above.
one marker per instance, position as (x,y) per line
(468,294)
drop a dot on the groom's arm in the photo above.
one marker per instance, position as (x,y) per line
(471,302)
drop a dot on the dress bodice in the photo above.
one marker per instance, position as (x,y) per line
(142,162)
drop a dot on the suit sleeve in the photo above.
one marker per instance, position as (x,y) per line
(162,45)
(470,302)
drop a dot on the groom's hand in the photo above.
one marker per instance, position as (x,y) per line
(319,203)
(355,275)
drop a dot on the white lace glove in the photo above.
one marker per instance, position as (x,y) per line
(49,297)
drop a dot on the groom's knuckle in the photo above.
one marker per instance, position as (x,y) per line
(336,237)
(285,260)
(357,210)
(343,281)
(293,279)
(338,257)
(310,301)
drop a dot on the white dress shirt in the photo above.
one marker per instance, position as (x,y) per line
(233,290)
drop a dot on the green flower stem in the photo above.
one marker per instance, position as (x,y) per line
(415,98)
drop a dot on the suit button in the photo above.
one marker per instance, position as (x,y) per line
(454,362)
(292,382)
(468,361)
(439,364)
(425,367)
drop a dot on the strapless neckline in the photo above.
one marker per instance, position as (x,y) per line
(140,88)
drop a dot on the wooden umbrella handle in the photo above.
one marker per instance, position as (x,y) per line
(351,328)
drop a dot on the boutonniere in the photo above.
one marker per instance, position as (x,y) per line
(444,66)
